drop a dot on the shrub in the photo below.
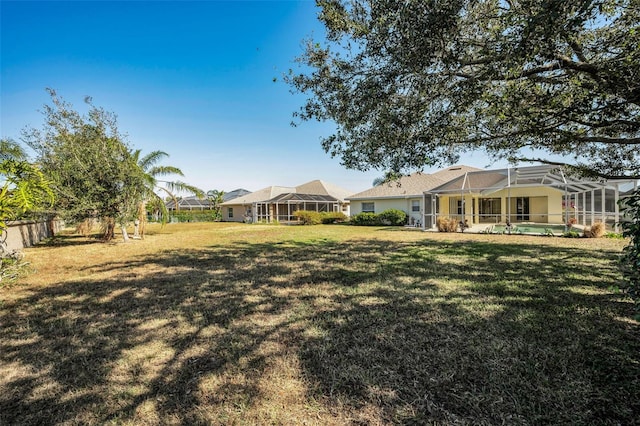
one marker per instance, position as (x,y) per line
(333,217)
(446,224)
(393,217)
(85,227)
(596,230)
(307,217)
(365,219)
(571,234)
(194,216)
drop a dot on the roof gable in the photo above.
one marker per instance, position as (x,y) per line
(312,188)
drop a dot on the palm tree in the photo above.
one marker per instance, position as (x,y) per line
(151,170)
(23,186)
(379,181)
(215,199)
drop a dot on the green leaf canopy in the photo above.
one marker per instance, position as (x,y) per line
(414,83)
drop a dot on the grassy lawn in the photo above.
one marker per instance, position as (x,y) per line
(254,324)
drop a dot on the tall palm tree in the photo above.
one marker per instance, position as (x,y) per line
(152,171)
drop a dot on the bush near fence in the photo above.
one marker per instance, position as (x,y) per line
(195,216)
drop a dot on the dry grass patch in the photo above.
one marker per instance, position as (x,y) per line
(251,324)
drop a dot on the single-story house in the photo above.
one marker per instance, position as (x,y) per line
(535,194)
(279,203)
(406,193)
(195,203)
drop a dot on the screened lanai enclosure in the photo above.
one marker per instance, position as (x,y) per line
(282,208)
(189,203)
(538,194)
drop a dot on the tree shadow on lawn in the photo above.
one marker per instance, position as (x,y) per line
(375,331)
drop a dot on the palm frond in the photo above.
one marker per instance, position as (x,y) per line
(151,159)
(164,171)
(178,186)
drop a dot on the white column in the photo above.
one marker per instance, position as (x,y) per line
(593,207)
(602,204)
(616,209)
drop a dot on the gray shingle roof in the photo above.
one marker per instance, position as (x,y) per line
(314,187)
(413,185)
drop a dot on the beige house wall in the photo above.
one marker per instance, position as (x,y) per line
(381,205)
(239,212)
(545,204)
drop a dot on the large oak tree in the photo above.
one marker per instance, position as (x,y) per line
(414,83)
(91,168)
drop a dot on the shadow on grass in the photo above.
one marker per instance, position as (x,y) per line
(380,332)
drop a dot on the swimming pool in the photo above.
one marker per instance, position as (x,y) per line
(529,228)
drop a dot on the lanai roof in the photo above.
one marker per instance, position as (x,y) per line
(310,189)
(413,185)
(195,202)
(487,181)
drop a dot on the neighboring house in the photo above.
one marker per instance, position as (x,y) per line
(188,203)
(406,193)
(279,203)
(195,203)
(536,194)
(228,196)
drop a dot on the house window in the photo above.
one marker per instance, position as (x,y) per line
(368,208)
(230,212)
(415,206)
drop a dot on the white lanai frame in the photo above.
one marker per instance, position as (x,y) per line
(486,182)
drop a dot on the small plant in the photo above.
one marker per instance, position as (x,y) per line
(12,265)
(596,230)
(85,227)
(548,232)
(571,234)
(614,235)
(446,224)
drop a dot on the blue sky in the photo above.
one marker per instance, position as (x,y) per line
(194,79)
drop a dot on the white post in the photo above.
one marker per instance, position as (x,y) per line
(602,205)
(616,209)
(593,207)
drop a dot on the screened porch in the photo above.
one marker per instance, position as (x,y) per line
(536,194)
(283,207)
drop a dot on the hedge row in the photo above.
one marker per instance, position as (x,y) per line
(307,217)
(391,217)
(195,216)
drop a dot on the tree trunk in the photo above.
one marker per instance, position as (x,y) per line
(125,235)
(142,217)
(109,229)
